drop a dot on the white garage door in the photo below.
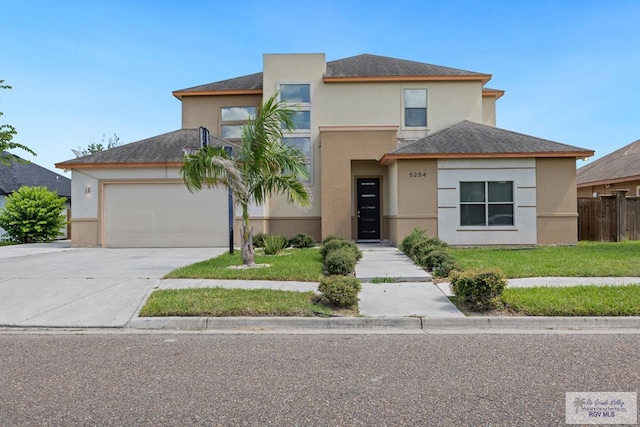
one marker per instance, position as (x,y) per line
(164,215)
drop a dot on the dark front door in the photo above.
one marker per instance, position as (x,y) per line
(368,204)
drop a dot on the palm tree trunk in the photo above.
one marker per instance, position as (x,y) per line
(248,254)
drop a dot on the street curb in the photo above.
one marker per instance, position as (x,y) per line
(384,323)
(274,323)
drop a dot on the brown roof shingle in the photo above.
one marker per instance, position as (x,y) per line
(622,163)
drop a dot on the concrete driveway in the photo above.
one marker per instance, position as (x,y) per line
(54,285)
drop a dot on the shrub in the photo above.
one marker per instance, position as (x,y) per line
(335,244)
(341,261)
(434,258)
(479,289)
(273,244)
(33,214)
(412,239)
(332,237)
(445,268)
(258,240)
(302,240)
(341,291)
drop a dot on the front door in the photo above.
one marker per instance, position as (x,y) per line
(368,205)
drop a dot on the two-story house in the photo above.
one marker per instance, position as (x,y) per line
(391,144)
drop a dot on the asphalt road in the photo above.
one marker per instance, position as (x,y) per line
(306,380)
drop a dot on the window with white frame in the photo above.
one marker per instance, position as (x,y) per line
(486,203)
(232,119)
(415,108)
(297,96)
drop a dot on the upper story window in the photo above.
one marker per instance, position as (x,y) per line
(415,108)
(302,144)
(232,119)
(298,95)
(486,203)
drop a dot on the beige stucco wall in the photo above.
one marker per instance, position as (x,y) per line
(556,200)
(603,190)
(205,110)
(339,148)
(416,189)
(489,110)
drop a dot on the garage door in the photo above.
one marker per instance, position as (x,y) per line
(164,215)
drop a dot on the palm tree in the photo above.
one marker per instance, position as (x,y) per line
(262,167)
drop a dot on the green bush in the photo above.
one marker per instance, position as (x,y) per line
(412,239)
(341,261)
(302,240)
(335,244)
(341,291)
(273,244)
(33,214)
(332,237)
(479,289)
(258,240)
(445,268)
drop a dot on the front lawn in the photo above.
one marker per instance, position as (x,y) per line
(220,302)
(587,259)
(574,301)
(303,265)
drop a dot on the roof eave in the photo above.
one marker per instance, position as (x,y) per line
(387,158)
(484,78)
(609,181)
(69,166)
(179,94)
(493,92)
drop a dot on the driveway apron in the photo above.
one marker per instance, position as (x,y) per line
(53,286)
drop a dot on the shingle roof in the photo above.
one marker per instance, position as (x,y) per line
(622,163)
(365,65)
(19,174)
(467,138)
(165,148)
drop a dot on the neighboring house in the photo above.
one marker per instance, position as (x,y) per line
(391,144)
(619,170)
(21,173)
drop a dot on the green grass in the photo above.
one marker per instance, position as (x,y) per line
(574,301)
(587,259)
(220,302)
(5,243)
(304,265)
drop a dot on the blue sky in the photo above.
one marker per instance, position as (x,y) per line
(84,69)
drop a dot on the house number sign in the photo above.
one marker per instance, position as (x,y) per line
(417,174)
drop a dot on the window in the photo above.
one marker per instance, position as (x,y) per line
(304,146)
(486,203)
(298,97)
(232,119)
(415,107)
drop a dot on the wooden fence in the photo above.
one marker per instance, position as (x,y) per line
(611,218)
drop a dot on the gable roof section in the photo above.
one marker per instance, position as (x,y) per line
(19,174)
(363,67)
(473,140)
(619,166)
(163,150)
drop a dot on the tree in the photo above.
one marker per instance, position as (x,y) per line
(106,144)
(7,132)
(263,166)
(33,214)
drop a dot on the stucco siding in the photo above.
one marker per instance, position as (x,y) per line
(557,220)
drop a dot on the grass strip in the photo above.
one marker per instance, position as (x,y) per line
(221,302)
(304,265)
(587,259)
(588,300)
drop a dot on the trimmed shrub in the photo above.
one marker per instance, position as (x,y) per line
(332,237)
(341,261)
(479,289)
(33,214)
(273,244)
(445,268)
(412,239)
(302,240)
(341,291)
(338,243)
